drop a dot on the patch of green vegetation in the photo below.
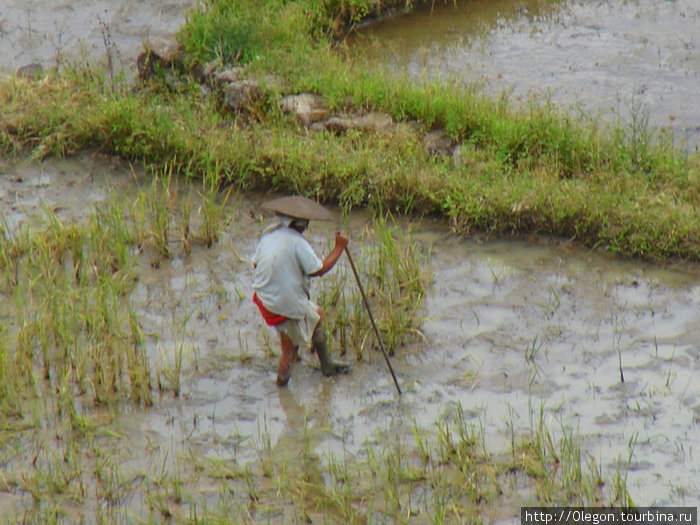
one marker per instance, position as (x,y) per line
(516,171)
(76,342)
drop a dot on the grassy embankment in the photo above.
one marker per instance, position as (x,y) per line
(67,286)
(521,171)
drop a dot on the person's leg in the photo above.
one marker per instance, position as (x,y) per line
(319,326)
(289,352)
(320,346)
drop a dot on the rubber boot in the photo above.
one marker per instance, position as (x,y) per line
(328,366)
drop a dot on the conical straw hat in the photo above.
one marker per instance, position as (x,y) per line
(299,207)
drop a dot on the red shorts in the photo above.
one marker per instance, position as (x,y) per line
(270,318)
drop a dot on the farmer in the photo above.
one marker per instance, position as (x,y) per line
(283,262)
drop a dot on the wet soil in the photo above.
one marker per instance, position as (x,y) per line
(54,32)
(511,327)
(621,61)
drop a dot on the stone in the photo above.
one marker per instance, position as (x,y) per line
(239,96)
(203,73)
(30,71)
(374,122)
(437,142)
(229,76)
(274,83)
(169,51)
(159,52)
(306,107)
(336,124)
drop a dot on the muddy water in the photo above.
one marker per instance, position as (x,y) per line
(578,313)
(603,57)
(53,32)
(511,328)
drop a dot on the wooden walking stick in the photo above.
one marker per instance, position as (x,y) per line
(371,318)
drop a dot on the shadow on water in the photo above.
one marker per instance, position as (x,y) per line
(511,328)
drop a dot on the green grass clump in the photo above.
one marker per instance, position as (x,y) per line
(592,199)
(245,31)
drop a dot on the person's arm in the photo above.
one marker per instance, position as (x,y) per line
(341,241)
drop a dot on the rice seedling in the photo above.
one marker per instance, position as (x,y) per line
(392,264)
(439,510)
(137,363)
(153,215)
(553,304)
(110,480)
(337,495)
(213,207)
(617,347)
(534,348)
(264,449)
(421,442)
(184,224)
(170,371)
(110,240)
(250,486)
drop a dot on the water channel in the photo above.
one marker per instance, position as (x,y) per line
(606,59)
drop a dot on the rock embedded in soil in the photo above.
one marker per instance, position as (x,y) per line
(437,142)
(159,52)
(241,95)
(307,108)
(229,76)
(203,73)
(373,121)
(30,71)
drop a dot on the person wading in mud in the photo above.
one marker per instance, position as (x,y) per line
(283,263)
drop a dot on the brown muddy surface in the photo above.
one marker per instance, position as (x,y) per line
(53,32)
(607,58)
(510,328)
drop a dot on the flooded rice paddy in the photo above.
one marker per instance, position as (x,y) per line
(512,329)
(55,32)
(617,60)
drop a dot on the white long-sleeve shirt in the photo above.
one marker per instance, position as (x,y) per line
(283,261)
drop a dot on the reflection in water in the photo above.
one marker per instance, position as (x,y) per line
(603,57)
(302,436)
